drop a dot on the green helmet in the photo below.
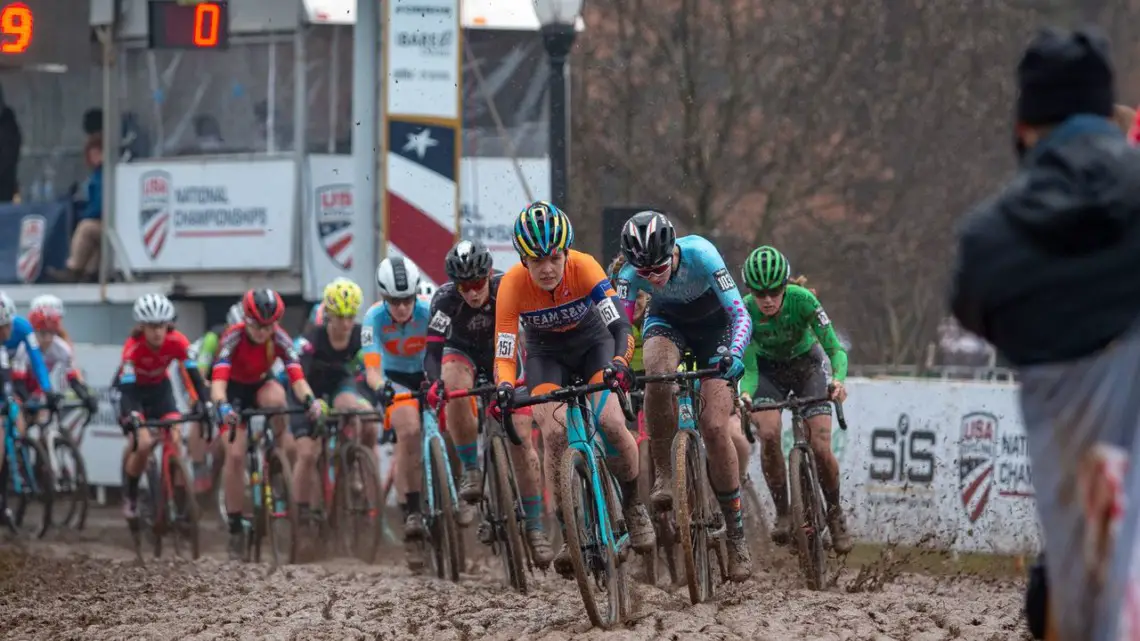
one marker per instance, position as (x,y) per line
(766,268)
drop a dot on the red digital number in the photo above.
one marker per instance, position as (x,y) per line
(16,24)
(207,24)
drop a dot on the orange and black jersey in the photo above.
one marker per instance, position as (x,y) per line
(582,308)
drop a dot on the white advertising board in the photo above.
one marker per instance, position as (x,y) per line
(206,216)
(491,196)
(423,58)
(333,227)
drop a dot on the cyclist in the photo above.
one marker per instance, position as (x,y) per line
(17,332)
(329,354)
(695,306)
(394,336)
(205,349)
(242,375)
(573,328)
(787,322)
(460,347)
(46,318)
(144,385)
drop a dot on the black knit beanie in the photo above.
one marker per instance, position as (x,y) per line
(1062,74)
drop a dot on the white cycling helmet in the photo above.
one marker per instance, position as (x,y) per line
(427,290)
(7,310)
(48,303)
(398,277)
(154,308)
(235,315)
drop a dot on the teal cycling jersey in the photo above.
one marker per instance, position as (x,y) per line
(392,346)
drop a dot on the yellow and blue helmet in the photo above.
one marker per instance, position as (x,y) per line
(541,229)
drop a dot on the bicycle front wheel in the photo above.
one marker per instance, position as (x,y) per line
(34,503)
(504,514)
(181,506)
(70,482)
(357,502)
(278,510)
(583,508)
(807,517)
(442,527)
(690,501)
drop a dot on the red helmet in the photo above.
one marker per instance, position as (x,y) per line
(44,319)
(263,306)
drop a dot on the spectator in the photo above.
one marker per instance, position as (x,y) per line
(208,134)
(10,142)
(83,264)
(93,121)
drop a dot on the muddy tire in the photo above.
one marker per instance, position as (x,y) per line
(504,516)
(182,524)
(807,518)
(444,530)
(358,517)
(581,515)
(72,493)
(690,504)
(276,518)
(39,482)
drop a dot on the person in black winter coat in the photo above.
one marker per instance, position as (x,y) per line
(11,140)
(1049,273)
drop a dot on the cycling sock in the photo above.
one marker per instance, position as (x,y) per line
(629,496)
(413,502)
(132,487)
(733,515)
(468,456)
(532,508)
(237,524)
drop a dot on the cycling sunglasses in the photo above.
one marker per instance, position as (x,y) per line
(398,302)
(468,286)
(656,270)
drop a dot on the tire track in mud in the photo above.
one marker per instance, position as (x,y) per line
(87,586)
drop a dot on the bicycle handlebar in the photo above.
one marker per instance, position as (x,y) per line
(267,412)
(55,412)
(677,377)
(797,403)
(160,424)
(566,394)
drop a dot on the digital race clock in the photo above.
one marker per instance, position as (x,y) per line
(188,25)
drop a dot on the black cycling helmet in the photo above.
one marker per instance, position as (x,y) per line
(647,239)
(468,260)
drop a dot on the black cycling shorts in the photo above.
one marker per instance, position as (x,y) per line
(803,375)
(545,365)
(702,336)
(243,396)
(157,401)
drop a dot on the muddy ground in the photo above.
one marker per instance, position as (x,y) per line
(88,586)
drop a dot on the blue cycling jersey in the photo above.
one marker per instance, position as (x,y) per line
(22,334)
(400,346)
(700,286)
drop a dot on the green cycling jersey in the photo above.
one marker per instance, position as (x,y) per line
(205,349)
(799,325)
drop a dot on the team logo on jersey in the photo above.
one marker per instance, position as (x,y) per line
(723,279)
(334,222)
(977,455)
(30,258)
(440,322)
(155,214)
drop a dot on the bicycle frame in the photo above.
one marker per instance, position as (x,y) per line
(169,443)
(51,431)
(10,422)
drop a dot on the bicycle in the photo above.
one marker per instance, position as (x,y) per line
(590,503)
(503,517)
(63,454)
(270,486)
(166,505)
(350,485)
(700,525)
(440,513)
(807,507)
(29,476)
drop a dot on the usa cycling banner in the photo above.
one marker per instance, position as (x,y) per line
(206,216)
(32,235)
(423,93)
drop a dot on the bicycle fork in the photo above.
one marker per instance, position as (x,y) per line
(575,434)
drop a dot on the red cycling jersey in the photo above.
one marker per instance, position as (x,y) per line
(144,365)
(242,361)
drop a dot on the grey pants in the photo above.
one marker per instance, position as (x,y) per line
(1069,408)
